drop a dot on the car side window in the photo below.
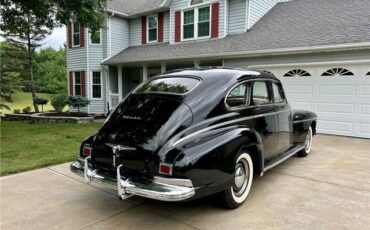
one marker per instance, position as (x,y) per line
(237,97)
(277,93)
(260,93)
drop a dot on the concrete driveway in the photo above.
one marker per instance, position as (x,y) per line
(330,189)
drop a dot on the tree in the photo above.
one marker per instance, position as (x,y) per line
(27,23)
(78,102)
(51,70)
(12,67)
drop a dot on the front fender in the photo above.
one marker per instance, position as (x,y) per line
(208,159)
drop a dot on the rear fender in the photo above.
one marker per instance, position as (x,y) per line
(208,159)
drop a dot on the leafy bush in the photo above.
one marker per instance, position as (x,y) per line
(27,109)
(17,111)
(59,102)
(78,102)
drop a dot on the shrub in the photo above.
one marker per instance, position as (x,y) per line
(59,102)
(78,102)
(40,101)
(26,110)
(17,111)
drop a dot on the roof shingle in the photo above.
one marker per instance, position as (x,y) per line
(300,23)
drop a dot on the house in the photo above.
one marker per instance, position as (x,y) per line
(320,49)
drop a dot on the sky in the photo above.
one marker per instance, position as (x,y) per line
(55,40)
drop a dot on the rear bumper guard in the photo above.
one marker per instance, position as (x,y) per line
(126,187)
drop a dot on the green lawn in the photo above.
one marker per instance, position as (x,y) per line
(21,100)
(27,146)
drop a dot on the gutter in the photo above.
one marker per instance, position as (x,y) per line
(264,52)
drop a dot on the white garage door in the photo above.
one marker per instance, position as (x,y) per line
(339,94)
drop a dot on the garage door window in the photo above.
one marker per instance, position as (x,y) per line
(297,73)
(337,72)
(368,74)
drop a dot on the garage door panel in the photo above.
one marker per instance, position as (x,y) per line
(365,130)
(301,105)
(365,109)
(340,90)
(297,89)
(335,127)
(366,90)
(335,108)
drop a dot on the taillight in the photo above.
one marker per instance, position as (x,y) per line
(86,151)
(165,168)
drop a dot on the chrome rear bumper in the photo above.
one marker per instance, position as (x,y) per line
(159,189)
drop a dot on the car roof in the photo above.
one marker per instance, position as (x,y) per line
(213,73)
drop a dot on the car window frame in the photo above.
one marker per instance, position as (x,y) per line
(233,108)
(250,83)
(167,93)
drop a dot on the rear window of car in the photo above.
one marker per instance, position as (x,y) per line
(173,85)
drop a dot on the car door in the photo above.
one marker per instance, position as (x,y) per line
(265,121)
(283,116)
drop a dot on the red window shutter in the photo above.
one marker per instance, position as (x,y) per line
(82,36)
(69,35)
(83,84)
(143,30)
(215,19)
(71,83)
(160,27)
(177,26)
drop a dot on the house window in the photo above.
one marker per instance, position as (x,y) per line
(196,23)
(76,34)
(96,85)
(77,83)
(334,72)
(297,73)
(152,28)
(95,37)
(203,22)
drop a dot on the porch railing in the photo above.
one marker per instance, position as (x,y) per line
(113,100)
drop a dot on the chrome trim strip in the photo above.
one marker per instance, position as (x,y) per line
(225,123)
(310,119)
(282,159)
(116,147)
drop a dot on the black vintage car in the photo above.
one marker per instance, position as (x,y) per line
(196,132)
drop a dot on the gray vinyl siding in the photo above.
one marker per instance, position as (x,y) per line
(105,38)
(135,32)
(119,35)
(258,8)
(236,16)
(177,5)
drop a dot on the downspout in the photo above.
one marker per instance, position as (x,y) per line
(87,42)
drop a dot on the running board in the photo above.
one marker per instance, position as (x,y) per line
(270,166)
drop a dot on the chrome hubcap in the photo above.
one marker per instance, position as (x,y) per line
(241,177)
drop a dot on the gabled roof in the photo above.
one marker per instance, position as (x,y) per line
(134,7)
(299,24)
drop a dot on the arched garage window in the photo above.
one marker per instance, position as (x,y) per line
(368,74)
(337,72)
(297,73)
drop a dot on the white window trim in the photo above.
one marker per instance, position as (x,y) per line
(147,28)
(73,33)
(74,83)
(100,40)
(92,84)
(190,5)
(196,21)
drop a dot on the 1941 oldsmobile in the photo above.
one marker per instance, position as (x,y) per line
(191,133)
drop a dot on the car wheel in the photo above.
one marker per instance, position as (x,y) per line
(243,176)
(307,144)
